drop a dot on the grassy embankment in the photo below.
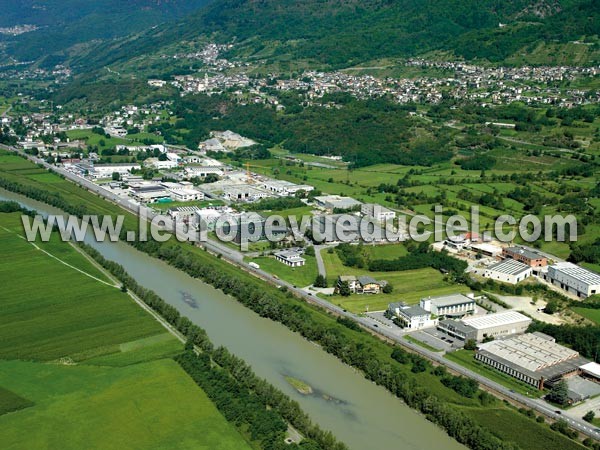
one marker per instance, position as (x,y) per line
(81,365)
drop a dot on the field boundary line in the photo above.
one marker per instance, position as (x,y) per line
(37,247)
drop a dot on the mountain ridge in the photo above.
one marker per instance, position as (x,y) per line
(342,33)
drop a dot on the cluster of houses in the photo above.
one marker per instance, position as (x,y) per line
(499,85)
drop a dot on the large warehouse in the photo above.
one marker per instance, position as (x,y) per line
(573,279)
(494,325)
(533,358)
(498,324)
(508,271)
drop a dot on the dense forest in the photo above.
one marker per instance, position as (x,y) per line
(364,132)
(65,23)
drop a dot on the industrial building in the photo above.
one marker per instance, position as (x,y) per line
(533,358)
(412,317)
(98,171)
(508,271)
(150,193)
(332,202)
(377,212)
(453,305)
(290,258)
(498,324)
(525,256)
(284,188)
(573,279)
(487,249)
(185,214)
(457,329)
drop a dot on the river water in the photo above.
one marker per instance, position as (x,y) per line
(358,412)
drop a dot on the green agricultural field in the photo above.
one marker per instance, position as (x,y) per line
(10,402)
(97,367)
(390,251)
(528,434)
(36,282)
(588,313)
(298,276)
(94,139)
(16,169)
(153,405)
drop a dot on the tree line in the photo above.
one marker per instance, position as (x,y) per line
(243,398)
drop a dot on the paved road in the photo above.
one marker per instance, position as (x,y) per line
(5,113)
(370,324)
(319,257)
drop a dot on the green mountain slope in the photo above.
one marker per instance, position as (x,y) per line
(346,32)
(66,23)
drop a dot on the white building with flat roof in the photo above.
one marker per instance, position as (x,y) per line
(412,317)
(574,279)
(378,212)
(284,188)
(106,170)
(332,202)
(453,305)
(498,325)
(508,271)
(203,171)
(290,258)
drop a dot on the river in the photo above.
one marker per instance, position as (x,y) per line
(358,412)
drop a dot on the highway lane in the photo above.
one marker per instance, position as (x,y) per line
(236,258)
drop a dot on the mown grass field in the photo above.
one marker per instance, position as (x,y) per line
(298,276)
(409,285)
(510,425)
(153,405)
(10,402)
(52,311)
(16,169)
(94,139)
(588,313)
(83,366)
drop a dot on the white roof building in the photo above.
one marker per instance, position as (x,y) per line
(378,212)
(290,258)
(335,201)
(533,358)
(574,279)
(283,187)
(508,271)
(453,305)
(498,324)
